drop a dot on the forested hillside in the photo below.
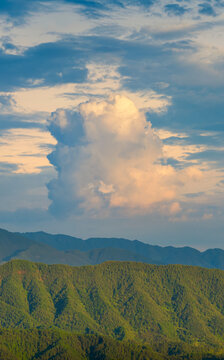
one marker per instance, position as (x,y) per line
(147,304)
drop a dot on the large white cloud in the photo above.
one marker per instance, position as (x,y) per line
(108,158)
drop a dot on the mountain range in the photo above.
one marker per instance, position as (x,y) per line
(115,310)
(64,249)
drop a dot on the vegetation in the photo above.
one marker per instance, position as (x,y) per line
(91,312)
(60,345)
(55,344)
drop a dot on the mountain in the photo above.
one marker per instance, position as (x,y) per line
(16,246)
(165,308)
(11,244)
(58,241)
(63,249)
(212,258)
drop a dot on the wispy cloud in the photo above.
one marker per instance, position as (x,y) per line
(26,149)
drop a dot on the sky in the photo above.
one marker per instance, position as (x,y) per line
(112,119)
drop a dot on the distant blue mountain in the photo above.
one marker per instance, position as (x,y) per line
(100,249)
(64,249)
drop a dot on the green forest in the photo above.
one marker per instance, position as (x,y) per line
(115,310)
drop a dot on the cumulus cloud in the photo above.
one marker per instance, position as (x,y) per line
(108,159)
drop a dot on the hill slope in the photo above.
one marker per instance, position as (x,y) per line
(54,344)
(60,345)
(126,301)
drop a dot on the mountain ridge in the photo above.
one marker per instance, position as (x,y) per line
(65,249)
(151,253)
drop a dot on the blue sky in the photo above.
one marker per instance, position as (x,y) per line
(111,119)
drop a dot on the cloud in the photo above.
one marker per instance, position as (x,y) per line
(42,64)
(207,216)
(19,190)
(175,9)
(24,151)
(108,159)
(6,103)
(102,79)
(48,23)
(206,9)
(175,208)
(18,10)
